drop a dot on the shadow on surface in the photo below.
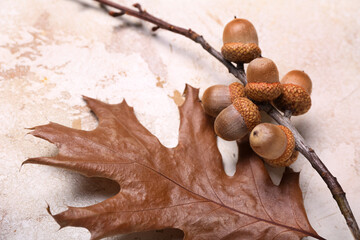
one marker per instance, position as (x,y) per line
(166,234)
(98,189)
(138,26)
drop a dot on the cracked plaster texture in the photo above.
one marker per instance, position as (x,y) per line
(52,52)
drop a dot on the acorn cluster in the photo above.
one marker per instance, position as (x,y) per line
(234,109)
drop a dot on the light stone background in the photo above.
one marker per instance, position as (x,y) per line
(54,51)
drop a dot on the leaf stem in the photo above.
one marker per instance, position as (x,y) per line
(239,73)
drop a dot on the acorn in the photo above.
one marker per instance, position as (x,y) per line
(296,87)
(237,120)
(240,41)
(263,80)
(274,143)
(218,97)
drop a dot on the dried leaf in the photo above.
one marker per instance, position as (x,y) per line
(183,187)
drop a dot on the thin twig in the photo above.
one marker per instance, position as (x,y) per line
(238,72)
(155,28)
(319,166)
(287,114)
(116,14)
(179,30)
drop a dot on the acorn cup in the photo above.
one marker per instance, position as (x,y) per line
(296,87)
(274,143)
(237,120)
(263,80)
(240,41)
(218,97)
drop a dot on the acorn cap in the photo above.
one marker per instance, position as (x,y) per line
(293,98)
(240,41)
(296,87)
(218,97)
(285,163)
(262,92)
(236,90)
(240,52)
(249,111)
(268,140)
(299,78)
(240,30)
(263,80)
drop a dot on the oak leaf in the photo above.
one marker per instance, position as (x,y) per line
(183,187)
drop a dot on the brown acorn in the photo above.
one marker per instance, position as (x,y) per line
(274,143)
(240,41)
(218,97)
(296,87)
(237,120)
(263,80)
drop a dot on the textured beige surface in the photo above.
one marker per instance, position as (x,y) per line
(52,52)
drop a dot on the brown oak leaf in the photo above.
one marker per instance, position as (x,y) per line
(183,187)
